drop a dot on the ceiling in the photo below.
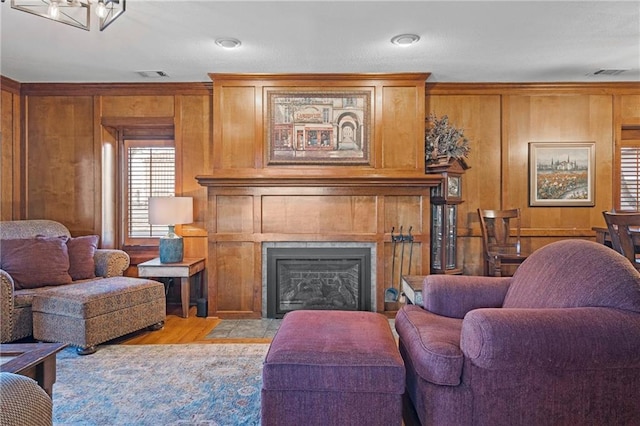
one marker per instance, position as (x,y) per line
(473,41)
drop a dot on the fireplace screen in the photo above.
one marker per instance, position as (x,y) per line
(317,278)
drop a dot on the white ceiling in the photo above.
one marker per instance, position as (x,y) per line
(473,41)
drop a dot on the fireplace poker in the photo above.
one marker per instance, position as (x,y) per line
(410,250)
(391,294)
(403,238)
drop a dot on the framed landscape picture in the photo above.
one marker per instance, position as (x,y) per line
(561,174)
(318,126)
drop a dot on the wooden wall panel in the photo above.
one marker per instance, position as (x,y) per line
(234,291)
(397,110)
(193,131)
(234,127)
(405,212)
(61,164)
(234,214)
(402,137)
(138,106)
(630,108)
(319,214)
(579,118)
(7,156)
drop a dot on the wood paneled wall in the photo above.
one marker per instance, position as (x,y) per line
(11,165)
(501,120)
(51,145)
(62,150)
(252,201)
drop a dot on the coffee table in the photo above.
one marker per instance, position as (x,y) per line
(34,360)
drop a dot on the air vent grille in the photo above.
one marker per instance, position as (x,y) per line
(608,72)
(153,74)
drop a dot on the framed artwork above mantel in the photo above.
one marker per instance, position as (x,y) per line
(318,126)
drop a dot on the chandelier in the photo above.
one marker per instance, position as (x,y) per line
(76,13)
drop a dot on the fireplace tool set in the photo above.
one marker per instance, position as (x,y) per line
(391,294)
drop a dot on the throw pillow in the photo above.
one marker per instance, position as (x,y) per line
(36,262)
(81,251)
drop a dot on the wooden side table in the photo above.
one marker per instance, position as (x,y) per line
(412,288)
(183,270)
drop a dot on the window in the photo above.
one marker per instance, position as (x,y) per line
(627,175)
(630,178)
(149,172)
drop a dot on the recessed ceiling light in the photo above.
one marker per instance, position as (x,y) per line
(405,39)
(228,43)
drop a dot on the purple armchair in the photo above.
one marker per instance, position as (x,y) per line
(556,344)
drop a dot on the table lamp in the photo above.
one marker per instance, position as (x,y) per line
(170,211)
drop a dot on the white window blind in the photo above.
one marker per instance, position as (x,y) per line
(150,173)
(629,178)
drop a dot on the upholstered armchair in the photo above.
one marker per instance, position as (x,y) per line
(15,304)
(556,344)
(23,402)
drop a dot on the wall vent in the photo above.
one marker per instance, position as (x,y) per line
(608,72)
(153,74)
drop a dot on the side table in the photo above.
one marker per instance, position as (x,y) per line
(183,270)
(412,288)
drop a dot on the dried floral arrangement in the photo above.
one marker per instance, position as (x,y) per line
(442,139)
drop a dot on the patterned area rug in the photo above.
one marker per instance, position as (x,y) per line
(264,328)
(195,384)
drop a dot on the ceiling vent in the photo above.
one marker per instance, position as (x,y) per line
(608,72)
(153,74)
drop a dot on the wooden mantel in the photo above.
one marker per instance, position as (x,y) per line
(319,179)
(247,208)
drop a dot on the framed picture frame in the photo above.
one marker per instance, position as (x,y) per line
(561,174)
(318,127)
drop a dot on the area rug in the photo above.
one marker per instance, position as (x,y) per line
(264,328)
(194,384)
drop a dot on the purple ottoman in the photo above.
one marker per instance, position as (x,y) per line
(333,368)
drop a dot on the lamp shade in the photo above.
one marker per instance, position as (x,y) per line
(170,210)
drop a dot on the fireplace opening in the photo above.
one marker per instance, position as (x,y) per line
(318,278)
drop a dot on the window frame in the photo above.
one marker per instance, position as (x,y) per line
(127,143)
(115,130)
(628,137)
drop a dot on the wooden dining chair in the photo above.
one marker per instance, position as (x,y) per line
(622,228)
(500,247)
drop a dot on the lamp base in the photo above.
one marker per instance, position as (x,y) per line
(171,249)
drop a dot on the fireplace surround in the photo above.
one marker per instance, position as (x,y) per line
(247,211)
(316,275)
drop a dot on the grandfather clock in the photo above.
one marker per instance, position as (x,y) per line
(445,199)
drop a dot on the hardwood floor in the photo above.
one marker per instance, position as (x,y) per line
(178,330)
